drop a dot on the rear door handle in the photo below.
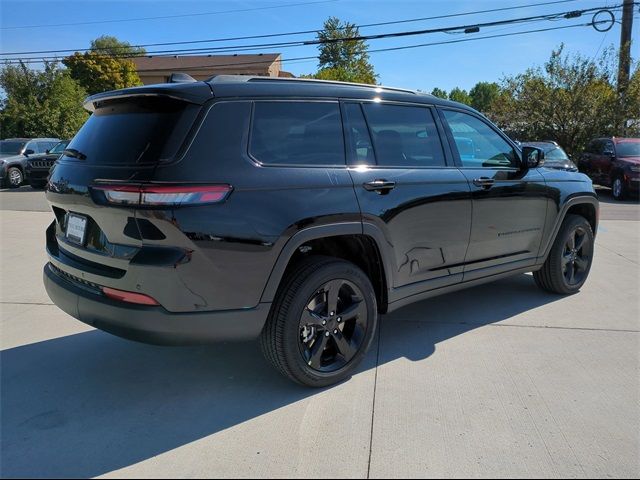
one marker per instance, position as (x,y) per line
(380,186)
(484,182)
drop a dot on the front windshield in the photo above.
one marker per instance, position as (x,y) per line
(11,147)
(555,153)
(59,148)
(628,149)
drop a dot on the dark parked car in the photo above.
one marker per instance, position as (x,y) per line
(37,166)
(554,155)
(296,211)
(14,153)
(613,162)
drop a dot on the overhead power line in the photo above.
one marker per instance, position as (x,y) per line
(279,45)
(379,50)
(165,17)
(302,32)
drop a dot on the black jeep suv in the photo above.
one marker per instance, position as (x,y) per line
(295,211)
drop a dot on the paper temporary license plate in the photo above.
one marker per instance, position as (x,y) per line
(76,228)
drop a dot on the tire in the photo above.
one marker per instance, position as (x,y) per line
(294,333)
(566,269)
(618,188)
(14,177)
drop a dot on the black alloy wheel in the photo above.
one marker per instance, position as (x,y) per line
(322,321)
(333,326)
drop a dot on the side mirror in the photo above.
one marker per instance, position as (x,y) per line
(532,157)
(46,151)
(28,152)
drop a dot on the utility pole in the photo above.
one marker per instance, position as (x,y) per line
(624,60)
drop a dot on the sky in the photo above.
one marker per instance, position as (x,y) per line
(444,66)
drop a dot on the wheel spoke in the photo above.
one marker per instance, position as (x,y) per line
(582,263)
(317,350)
(345,348)
(357,309)
(572,273)
(332,288)
(565,259)
(571,243)
(580,240)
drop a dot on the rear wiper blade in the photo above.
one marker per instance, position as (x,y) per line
(72,152)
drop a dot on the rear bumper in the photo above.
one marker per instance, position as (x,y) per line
(152,324)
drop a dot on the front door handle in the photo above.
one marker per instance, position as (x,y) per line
(380,186)
(484,182)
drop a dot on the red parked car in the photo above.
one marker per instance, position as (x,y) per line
(613,162)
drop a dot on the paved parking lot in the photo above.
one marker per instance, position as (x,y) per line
(499,380)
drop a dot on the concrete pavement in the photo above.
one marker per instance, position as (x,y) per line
(500,380)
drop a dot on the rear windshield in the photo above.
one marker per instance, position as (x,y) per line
(141,130)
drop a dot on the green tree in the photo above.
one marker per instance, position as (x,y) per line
(483,94)
(460,95)
(105,65)
(109,45)
(343,60)
(571,100)
(437,92)
(45,103)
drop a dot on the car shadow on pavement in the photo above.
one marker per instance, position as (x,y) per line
(87,404)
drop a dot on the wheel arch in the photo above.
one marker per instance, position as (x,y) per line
(362,245)
(586,206)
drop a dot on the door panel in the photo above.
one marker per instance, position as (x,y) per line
(509,203)
(424,213)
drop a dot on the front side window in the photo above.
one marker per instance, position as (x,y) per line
(32,146)
(404,136)
(297,133)
(479,145)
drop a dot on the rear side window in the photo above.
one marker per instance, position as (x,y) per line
(404,136)
(134,131)
(297,133)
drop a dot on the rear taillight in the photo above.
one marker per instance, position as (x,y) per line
(163,195)
(129,297)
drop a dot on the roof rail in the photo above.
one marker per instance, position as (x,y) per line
(330,82)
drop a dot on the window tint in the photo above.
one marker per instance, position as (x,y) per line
(32,145)
(138,130)
(404,136)
(360,144)
(479,146)
(297,133)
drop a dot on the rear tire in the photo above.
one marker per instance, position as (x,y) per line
(321,323)
(569,262)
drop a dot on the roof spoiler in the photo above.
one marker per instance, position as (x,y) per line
(190,91)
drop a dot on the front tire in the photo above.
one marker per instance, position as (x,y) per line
(322,322)
(14,177)
(618,188)
(569,261)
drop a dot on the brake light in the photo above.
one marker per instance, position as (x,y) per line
(163,195)
(129,297)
